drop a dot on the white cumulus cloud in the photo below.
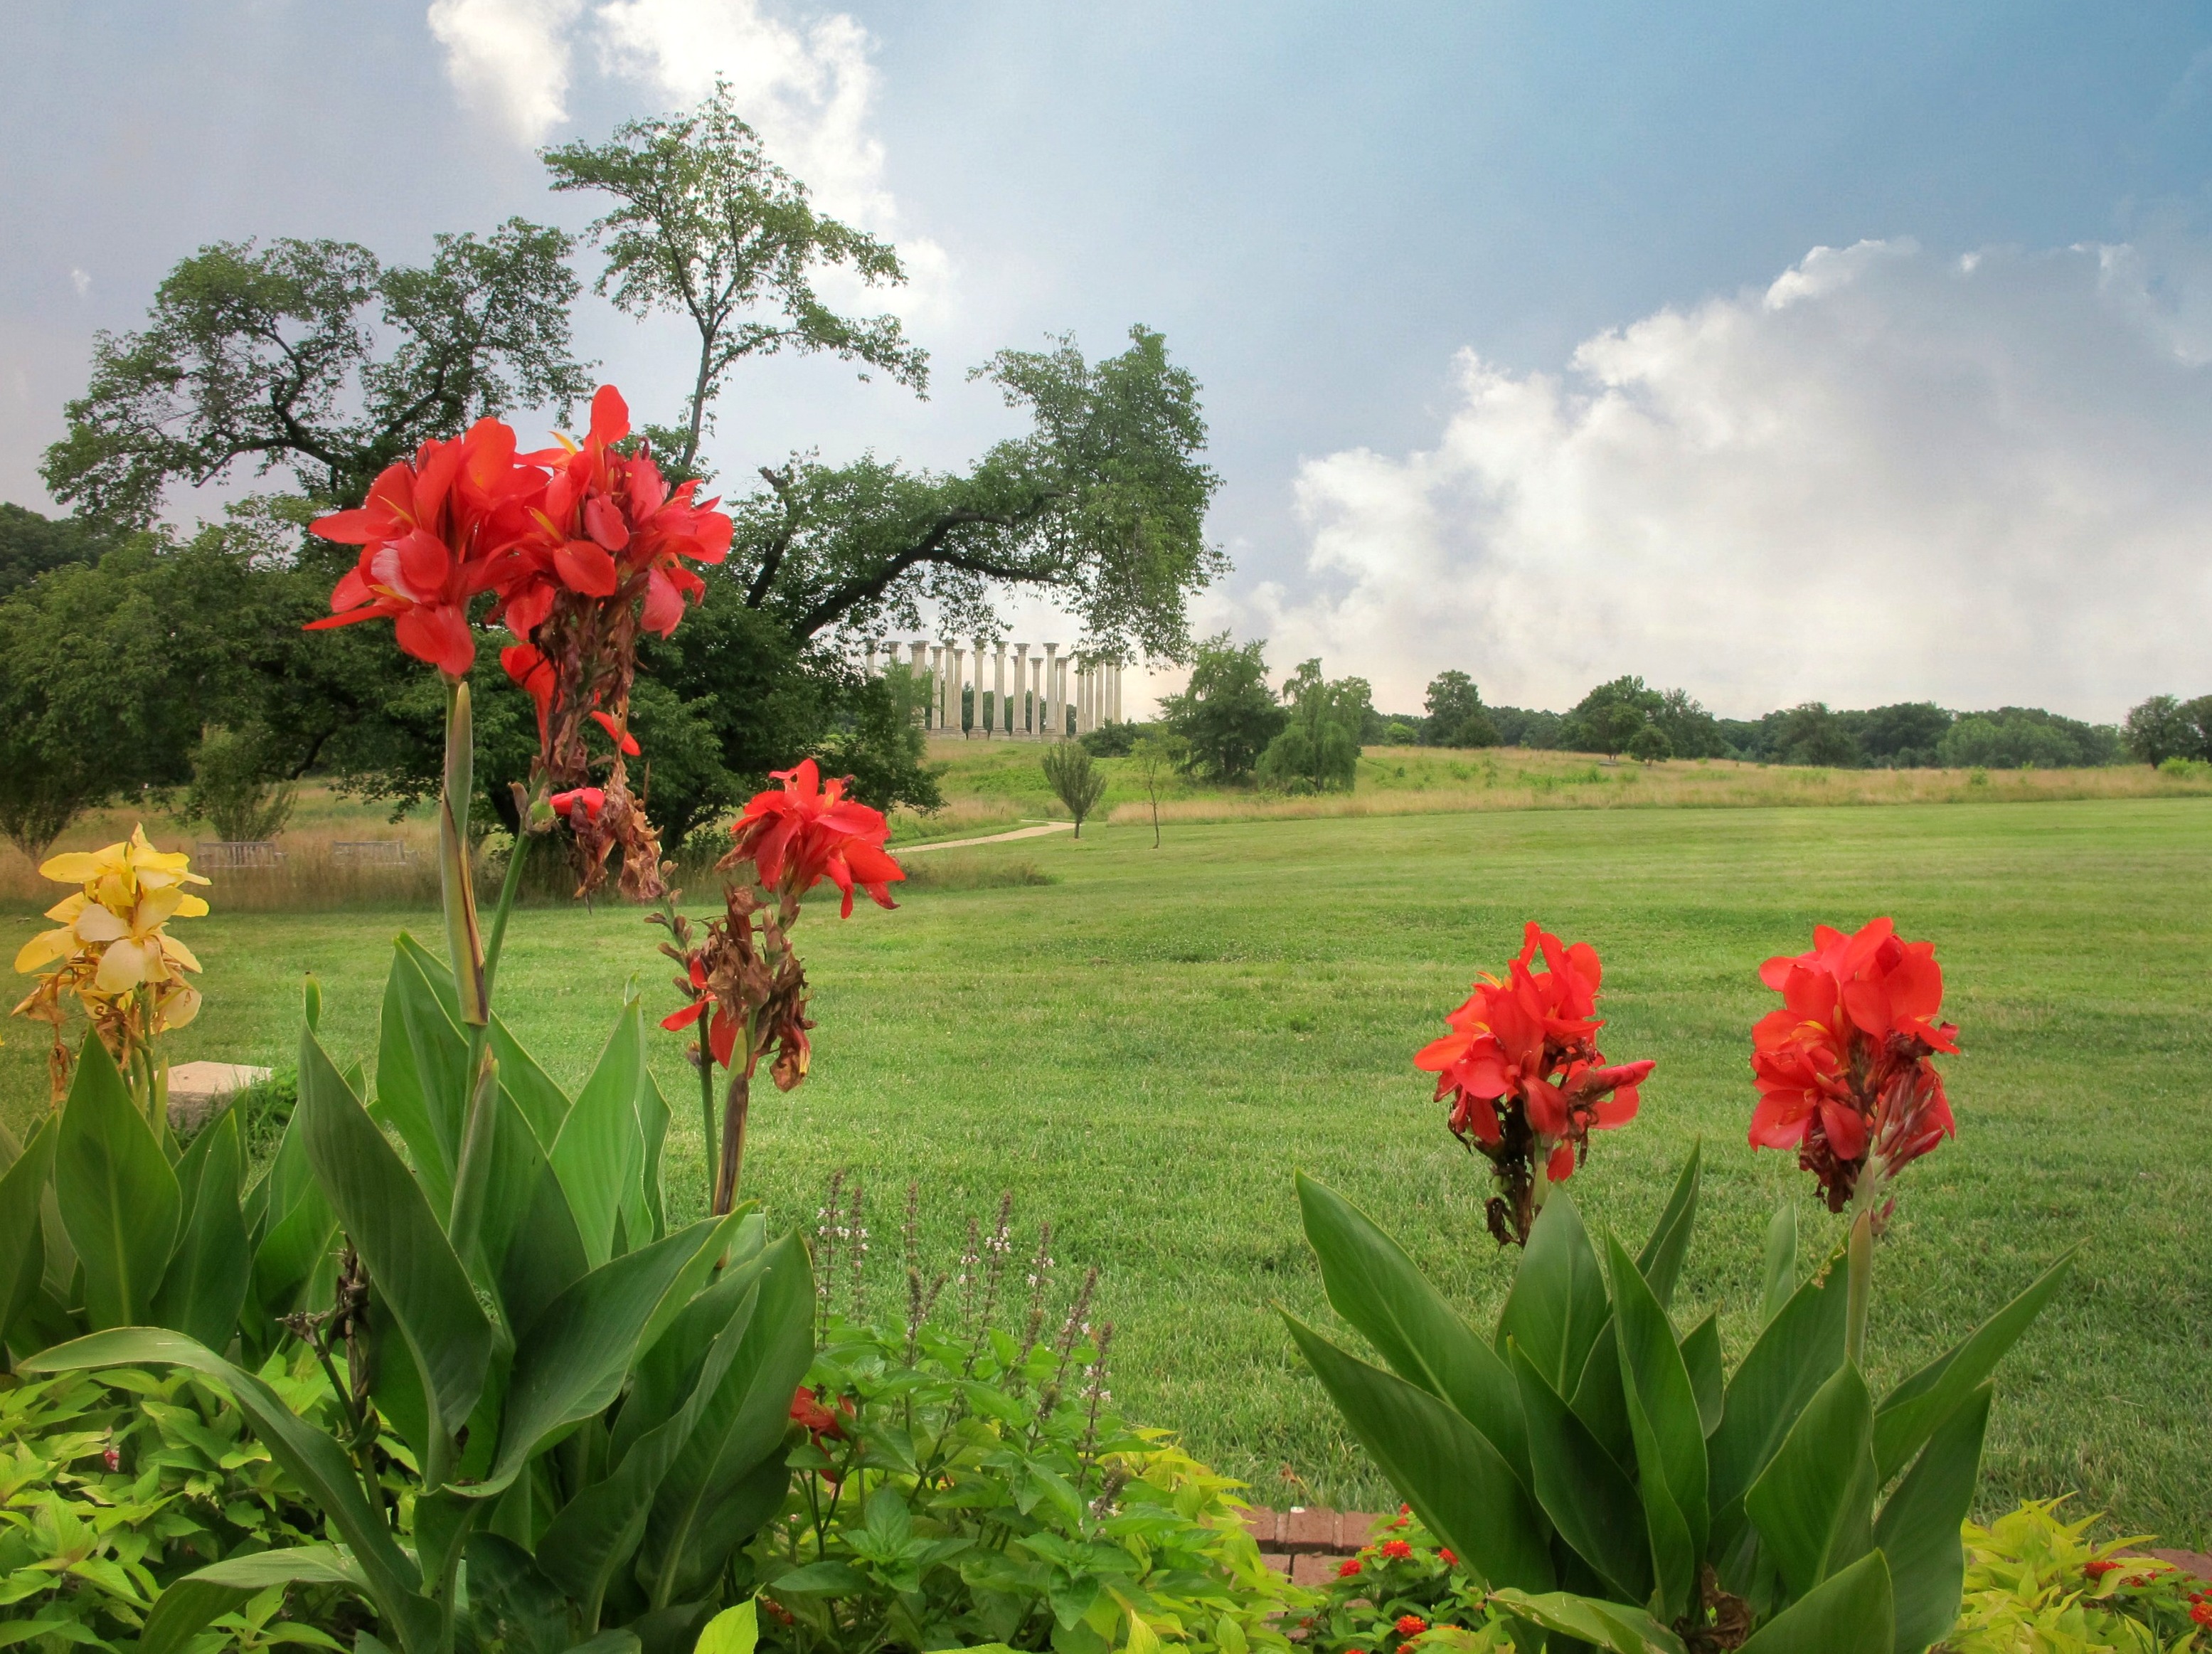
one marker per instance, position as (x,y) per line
(1888,476)
(509,58)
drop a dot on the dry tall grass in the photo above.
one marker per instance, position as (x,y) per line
(1520,780)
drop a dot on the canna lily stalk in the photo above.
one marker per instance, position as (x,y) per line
(745,978)
(113,952)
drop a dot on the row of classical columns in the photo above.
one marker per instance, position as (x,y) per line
(1041,696)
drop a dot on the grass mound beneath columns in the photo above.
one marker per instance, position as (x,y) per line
(1144,1048)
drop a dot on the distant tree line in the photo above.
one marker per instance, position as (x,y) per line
(1233,727)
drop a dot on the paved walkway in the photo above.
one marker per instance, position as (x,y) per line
(1038,832)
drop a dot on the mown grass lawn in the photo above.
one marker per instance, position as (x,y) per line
(1143,1051)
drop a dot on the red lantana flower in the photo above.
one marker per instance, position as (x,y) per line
(1524,1076)
(433,535)
(807,830)
(1411,1625)
(1444,1553)
(1396,1550)
(1347,1568)
(1845,1069)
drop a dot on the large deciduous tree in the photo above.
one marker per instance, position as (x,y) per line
(704,224)
(315,357)
(1226,715)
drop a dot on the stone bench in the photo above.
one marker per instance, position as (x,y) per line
(232,854)
(372,851)
(197,1090)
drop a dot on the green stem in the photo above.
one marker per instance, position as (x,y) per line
(463,940)
(509,887)
(1858,1287)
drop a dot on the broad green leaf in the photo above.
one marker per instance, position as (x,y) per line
(512,1605)
(1668,1430)
(733,1631)
(1449,1471)
(1589,1498)
(646,1207)
(1781,1276)
(314,1462)
(205,1287)
(1599,1402)
(729,1477)
(22,1249)
(597,1532)
(412,1270)
(1613,1625)
(1919,1528)
(820,1580)
(1660,1262)
(668,1361)
(573,1362)
(1910,1413)
(544,1104)
(1792,1357)
(600,1148)
(422,1071)
(288,1256)
(1813,1505)
(1850,1614)
(1374,1286)
(118,1198)
(528,1234)
(1557,1303)
(1701,1355)
(186,1606)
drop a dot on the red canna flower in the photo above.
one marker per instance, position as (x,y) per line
(622,738)
(1524,1075)
(590,800)
(1411,1625)
(1396,1550)
(804,831)
(818,1420)
(434,534)
(1844,1068)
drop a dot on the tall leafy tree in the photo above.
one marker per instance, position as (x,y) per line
(1318,748)
(1101,505)
(316,358)
(705,225)
(1226,714)
(1457,715)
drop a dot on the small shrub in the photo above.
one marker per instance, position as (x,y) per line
(232,789)
(2034,1581)
(965,1480)
(115,1484)
(1073,779)
(1402,1589)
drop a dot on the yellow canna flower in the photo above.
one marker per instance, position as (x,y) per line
(110,948)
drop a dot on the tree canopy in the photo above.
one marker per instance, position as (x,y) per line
(1226,714)
(1457,715)
(1317,751)
(268,357)
(705,225)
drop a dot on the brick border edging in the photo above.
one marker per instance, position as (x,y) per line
(1310,1542)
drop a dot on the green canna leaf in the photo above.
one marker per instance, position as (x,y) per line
(1588,1496)
(23,1248)
(1557,1304)
(421,1072)
(1701,1355)
(1919,1528)
(1660,1262)
(205,1287)
(1813,1504)
(1910,1413)
(1781,1273)
(414,1275)
(1852,1613)
(1792,1357)
(1613,1626)
(1668,1429)
(601,1146)
(118,1198)
(1449,1471)
(1375,1288)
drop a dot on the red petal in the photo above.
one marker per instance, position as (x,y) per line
(609,417)
(438,633)
(685,1017)
(586,567)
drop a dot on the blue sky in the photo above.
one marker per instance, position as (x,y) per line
(1778,351)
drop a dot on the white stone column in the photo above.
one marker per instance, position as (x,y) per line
(1060,700)
(935,699)
(982,724)
(1033,717)
(1017,720)
(1086,713)
(999,724)
(1115,692)
(1053,722)
(955,680)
